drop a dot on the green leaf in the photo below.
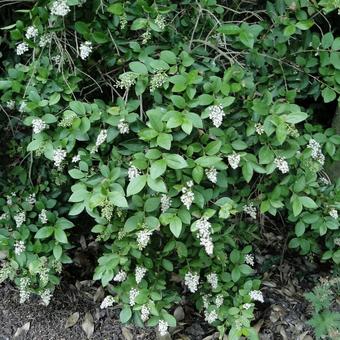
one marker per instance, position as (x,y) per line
(289,30)
(327,40)
(116,9)
(229,29)
(205,99)
(57,251)
(157,168)
(305,24)
(157,184)
(207,161)
(164,140)
(328,95)
(236,274)
(197,174)
(76,173)
(178,101)
(167,265)
(297,206)
(118,199)
(125,314)
(44,232)
(300,228)
(169,57)
(247,38)
(136,185)
(296,117)
(138,67)
(139,24)
(176,226)
(307,202)
(60,235)
(266,156)
(175,161)
(247,171)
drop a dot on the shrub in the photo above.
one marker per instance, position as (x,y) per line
(177,129)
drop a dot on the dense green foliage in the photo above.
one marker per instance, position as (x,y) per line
(176,131)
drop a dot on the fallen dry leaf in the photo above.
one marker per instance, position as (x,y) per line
(88,325)
(72,320)
(21,331)
(127,333)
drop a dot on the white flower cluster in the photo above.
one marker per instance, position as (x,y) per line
(192,280)
(216,114)
(212,278)
(132,296)
(67,121)
(126,80)
(120,276)
(145,313)
(219,300)
(31,199)
(162,327)
(211,173)
(337,241)
(31,32)
(157,81)
(60,8)
(133,172)
(107,302)
(325,181)
(247,305)
(46,296)
(3,216)
(281,164)
(45,39)
(143,238)
(146,37)
(256,295)
(160,21)
(75,159)
(43,217)
(58,156)
(5,272)
(204,234)
(19,247)
(19,219)
(187,196)
(234,160)
(249,259)
(24,293)
(140,273)
(333,213)
(259,128)
(22,107)
(10,104)
(101,138)
(250,210)
(38,125)
(165,203)
(22,48)
(123,127)
(210,317)
(316,151)
(85,49)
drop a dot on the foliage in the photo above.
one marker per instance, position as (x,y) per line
(175,130)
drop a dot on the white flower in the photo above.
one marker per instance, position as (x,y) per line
(24,293)
(160,21)
(234,160)
(45,39)
(162,327)
(19,219)
(213,280)
(126,80)
(60,8)
(256,295)
(22,48)
(10,104)
(337,241)
(19,247)
(191,280)
(85,49)
(58,156)
(259,128)
(140,273)
(219,300)
(107,302)
(133,172)
(22,107)
(165,203)
(143,238)
(31,32)
(216,114)
(204,234)
(249,259)
(145,313)
(187,196)
(101,138)
(146,37)
(334,213)
(123,127)
(46,296)
(43,217)
(211,317)
(250,210)
(132,296)
(205,299)
(3,216)
(281,164)
(31,199)
(247,305)
(316,151)
(38,125)
(157,81)
(323,180)
(75,159)
(120,276)
(211,174)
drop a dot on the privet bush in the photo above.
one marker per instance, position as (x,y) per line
(176,130)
